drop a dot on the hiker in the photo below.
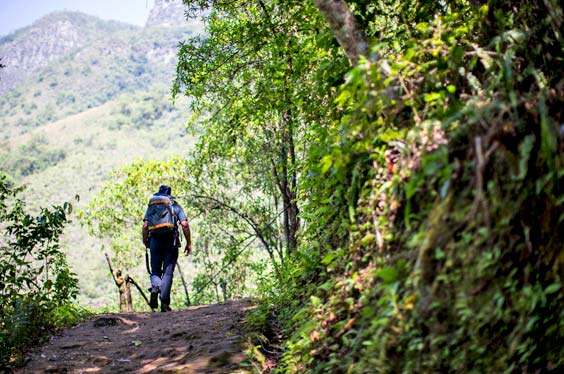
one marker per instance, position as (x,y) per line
(160,234)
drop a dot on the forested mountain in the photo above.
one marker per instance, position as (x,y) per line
(49,39)
(69,62)
(81,96)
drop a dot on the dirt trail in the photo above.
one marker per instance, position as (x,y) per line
(202,339)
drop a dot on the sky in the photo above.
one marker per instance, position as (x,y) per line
(15,14)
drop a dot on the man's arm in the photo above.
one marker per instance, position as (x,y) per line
(145,232)
(186,231)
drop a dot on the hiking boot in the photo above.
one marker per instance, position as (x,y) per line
(165,308)
(154,301)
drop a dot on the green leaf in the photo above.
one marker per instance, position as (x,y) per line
(329,258)
(433,96)
(439,253)
(352,213)
(368,238)
(387,274)
(326,286)
(390,135)
(552,288)
(326,163)
(525,150)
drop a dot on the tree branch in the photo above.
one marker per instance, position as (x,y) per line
(110,265)
(130,280)
(243,215)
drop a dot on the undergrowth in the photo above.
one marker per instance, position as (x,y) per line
(435,230)
(37,289)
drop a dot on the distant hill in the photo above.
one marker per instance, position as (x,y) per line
(167,13)
(80,96)
(69,62)
(49,39)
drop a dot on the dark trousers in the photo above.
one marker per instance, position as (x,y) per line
(164,254)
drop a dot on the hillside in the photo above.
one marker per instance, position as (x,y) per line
(80,97)
(49,39)
(87,74)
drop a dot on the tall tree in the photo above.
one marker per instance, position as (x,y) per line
(253,69)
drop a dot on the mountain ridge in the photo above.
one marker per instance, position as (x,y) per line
(60,33)
(48,39)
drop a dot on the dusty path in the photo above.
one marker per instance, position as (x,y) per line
(204,339)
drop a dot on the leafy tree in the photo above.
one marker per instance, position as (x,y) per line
(36,286)
(252,72)
(116,214)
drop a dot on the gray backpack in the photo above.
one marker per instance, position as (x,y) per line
(160,215)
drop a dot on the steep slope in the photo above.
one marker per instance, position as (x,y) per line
(89,75)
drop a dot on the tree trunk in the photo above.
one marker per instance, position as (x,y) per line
(128,300)
(345,27)
(125,304)
(288,183)
(223,285)
(121,284)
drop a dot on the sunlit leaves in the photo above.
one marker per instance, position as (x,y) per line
(34,276)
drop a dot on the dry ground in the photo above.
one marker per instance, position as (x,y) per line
(202,339)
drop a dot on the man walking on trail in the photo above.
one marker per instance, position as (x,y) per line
(160,234)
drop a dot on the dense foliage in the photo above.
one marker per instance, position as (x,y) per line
(466,275)
(37,289)
(429,176)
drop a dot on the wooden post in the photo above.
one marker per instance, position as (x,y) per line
(125,304)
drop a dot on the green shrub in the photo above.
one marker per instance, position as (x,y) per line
(37,288)
(31,158)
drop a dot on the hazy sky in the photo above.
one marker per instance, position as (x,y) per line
(15,14)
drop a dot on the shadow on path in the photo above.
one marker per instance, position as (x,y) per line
(201,339)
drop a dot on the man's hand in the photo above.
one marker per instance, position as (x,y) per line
(186,230)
